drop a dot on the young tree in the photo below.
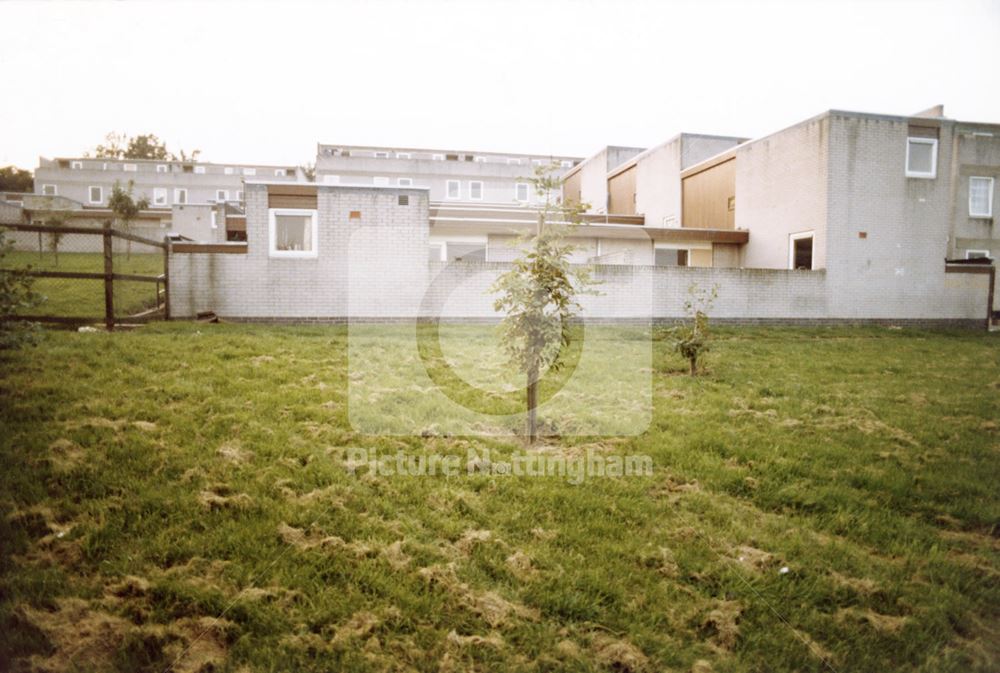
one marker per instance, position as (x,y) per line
(146,146)
(691,339)
(125,209)
(14,179)
(142,146)
(55,237)
(16,294)
(538,294)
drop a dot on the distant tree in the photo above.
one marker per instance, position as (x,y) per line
(310,171)
(16,294)
(142,146)
(13,179)
(538,294)
(691,340)
(125,209)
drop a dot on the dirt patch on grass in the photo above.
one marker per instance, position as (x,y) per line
(815,649)
(234,453)
(861,586)
(359,625)
(301,539)
(884,624)
(395,555)
(213,500)
(752,558)
(493,640)
(520,564)
(493,608)
(471,538)
(618,654)
(721,624)
(65,455)
(145,426)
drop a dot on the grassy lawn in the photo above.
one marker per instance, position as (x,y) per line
(821,500)
(71,297)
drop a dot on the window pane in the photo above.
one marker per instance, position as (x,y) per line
(803,253)
(466,252)
(667,257)
(475,190)
(434,253)
(921,158)
(293,232)
(979,196)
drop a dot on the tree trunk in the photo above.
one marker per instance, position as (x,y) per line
(694,366)
(532,403)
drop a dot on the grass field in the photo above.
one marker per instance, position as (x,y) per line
(73,298)
(176,498)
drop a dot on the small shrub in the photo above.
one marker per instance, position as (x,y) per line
(16,294)
(691,340)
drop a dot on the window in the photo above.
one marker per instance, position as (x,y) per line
(292,232)
(403,155)
(514,162)
(280,173)
(214,220)
(96,195)
(49,190)
(466,252)
(228,170)
(536,162)
(381,155)
(921,157)
(479,159)
(566,164)
(129,168)
(222,195)
(521,191)
(159,196)
(239,195)
(437,157)
(405,182)
(476,190)
(381,181)
(980,197)
(800,251)
(731,204)
(180,196)
(451,157)
(453,189)
(161,168)
(403,200)
(977,254)
(249,171)
(76,164)
(670,257)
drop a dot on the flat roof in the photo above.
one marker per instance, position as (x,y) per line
(380,148)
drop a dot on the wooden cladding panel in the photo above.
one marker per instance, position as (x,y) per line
(706,197)
(236,224)
(571,188)
(621,193)
(291,196)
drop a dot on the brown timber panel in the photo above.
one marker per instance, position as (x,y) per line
(705,197)
(621,192)
(700,257)
(571,188)
(291,196)
(236,223)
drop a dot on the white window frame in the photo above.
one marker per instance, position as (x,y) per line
(934,153)
(161,168)
(403,155)
(249,171)
(565,163)
(239,194)
(479,159)
(536,162)
(130,168)
(55,190)
(458,190)
(380,181)
(272,231)
(482,190)
(437,157)
(214,220)
(199,170)
(379,154)
(160,196)
(985,253)
(791,248)
(77,165)
(989,202)
(511,161)
(404,182)
(177,198)
(225,195)
(527,192)
(90,194)
(280,173)
(228,170)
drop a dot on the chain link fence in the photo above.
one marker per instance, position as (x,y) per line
(89,275)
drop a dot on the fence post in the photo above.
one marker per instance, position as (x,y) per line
(109,270)
(166,278)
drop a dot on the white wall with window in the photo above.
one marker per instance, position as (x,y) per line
(453,189)
(404,182)
(380,181)
(222,195)
(49,190)
(293,233)
(280,173)
(159,196)
(476,190)
(800,250)
(921,157)
(980,197)
(161,168)
(978,254)
(96,194)
(180,196)
(76,165)
(249,171)
(522,192)
(199,170)
(130,168)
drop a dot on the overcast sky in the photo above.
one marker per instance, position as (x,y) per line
(265,82)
